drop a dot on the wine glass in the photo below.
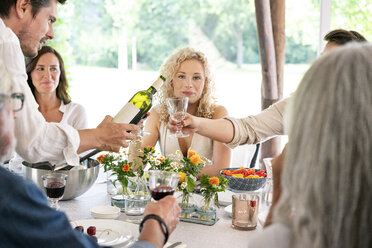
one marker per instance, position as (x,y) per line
(162,183)
(54,185)
(177,107)
(141,129)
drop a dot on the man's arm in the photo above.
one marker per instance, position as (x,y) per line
(168,209)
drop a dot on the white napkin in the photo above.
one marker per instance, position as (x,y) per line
(183,245)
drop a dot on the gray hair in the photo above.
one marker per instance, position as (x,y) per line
(327,175)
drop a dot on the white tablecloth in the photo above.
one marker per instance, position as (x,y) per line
(220,234)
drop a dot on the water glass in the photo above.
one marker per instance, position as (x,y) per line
(268,189)
(245,211)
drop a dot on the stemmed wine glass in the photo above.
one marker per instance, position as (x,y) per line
(177,107)
(162,183)
(141,129)
(54,185)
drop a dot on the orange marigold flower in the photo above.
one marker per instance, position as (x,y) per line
(183,177)
(101,158)
(191,153)
(195,159)
(161,159)
(151,148)
(126,167)
(214,180)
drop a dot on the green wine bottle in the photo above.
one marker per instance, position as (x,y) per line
(137,107)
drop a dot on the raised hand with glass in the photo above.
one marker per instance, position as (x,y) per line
(177,107)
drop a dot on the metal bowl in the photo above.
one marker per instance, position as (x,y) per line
(78,180)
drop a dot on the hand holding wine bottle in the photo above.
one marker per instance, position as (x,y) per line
(138,106)
(132,112)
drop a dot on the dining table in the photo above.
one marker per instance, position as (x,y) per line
(221,234)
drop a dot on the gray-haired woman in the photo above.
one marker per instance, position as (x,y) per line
(327,173)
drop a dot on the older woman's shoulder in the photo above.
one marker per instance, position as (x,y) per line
(219,112)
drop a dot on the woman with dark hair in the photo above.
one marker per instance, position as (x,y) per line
(48,82)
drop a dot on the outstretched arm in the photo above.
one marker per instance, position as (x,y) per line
(221,130)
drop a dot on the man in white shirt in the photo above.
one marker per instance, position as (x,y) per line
(24,26)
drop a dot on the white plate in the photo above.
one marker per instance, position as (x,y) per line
(228,210)
(105,212)
(110,232)
(225,198)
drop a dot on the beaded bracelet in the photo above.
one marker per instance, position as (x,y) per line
(162,224)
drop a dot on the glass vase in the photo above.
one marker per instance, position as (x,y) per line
(188,204)
(208,210)
(136,200)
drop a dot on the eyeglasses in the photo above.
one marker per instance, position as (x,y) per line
(16,100)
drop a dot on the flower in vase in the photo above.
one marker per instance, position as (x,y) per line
(210,186)
(214,181)
(101,158)
(161,159)
(183,177)
(191,153)
(125,168)
(119,166)
(195,159)
(183,185)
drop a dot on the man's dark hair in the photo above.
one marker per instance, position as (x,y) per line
(341,36)
(6,5)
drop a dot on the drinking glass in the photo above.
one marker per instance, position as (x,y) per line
(245,211)
(141,130)
(162,183)
(268,191)
(54,185)
(177,107)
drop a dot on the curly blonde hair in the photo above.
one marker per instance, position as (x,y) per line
(169,69)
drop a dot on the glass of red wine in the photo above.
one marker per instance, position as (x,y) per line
(54,185)
(162,183)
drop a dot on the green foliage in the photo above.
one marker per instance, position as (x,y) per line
(297,53)
(354,15)
(89,31)
(119,167)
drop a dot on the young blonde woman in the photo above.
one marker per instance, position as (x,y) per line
(188,75)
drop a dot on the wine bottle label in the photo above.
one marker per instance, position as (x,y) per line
(158,83)
(127,113)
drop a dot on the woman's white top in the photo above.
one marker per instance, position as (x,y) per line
(74,114)
(169,145)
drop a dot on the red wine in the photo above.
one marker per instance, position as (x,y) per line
(55,190)
(160,192)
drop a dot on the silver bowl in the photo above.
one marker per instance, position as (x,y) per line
(78,180)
